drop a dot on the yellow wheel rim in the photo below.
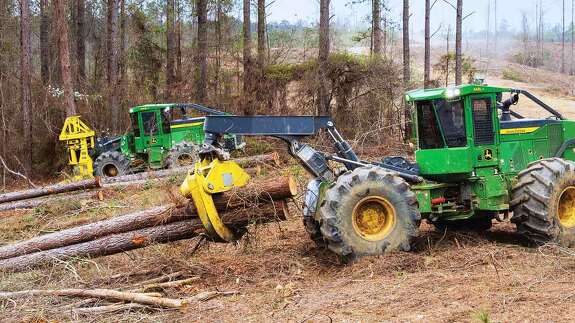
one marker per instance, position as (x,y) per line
(566,207)
(373,218)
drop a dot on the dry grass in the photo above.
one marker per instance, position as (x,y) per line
(281,275)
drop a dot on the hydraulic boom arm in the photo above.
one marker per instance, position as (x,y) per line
(287,128)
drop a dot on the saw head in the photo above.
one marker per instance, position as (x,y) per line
(208,178)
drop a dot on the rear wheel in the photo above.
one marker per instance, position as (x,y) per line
(369,211)
(182,155)
(111,164)
(543,202)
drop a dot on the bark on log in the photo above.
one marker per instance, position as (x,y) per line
(125,241)
(99,293)
(51,189)
(145,178)
(35,202)
(266,159)
(244,162)
(259,191)
(128,222)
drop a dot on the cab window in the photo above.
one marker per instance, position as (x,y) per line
(135,126)
(166,120)
(427,128)
(150,124)
(452,119)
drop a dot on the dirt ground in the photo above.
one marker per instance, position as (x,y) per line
(278,273)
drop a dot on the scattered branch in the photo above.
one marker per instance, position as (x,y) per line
(16,173)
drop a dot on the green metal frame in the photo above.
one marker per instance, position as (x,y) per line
(480,177)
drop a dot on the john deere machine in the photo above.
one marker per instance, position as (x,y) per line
(161,136)
(476,160)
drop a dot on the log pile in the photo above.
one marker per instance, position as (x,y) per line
(261,201)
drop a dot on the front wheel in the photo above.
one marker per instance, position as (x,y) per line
(111,164)
(182,155)
(369,211)
(543,202)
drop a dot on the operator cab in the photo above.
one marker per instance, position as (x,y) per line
(460,133)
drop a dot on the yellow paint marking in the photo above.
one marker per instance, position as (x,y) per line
(514,131)
(186,125)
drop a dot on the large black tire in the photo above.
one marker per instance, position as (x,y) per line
(357,209)
(111,164)
(181,155)
(543,202)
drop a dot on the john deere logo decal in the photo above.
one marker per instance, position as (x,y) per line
(488,154)
(154,140)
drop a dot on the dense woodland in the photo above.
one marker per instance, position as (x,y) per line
(97,58)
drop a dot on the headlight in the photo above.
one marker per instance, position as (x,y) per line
(452,93)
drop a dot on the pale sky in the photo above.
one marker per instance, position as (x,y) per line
(511,10)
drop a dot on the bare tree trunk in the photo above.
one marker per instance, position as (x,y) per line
(202,54)
(406,51)
(44,42)
(218,58)
(170,47)
(178,42)
(248,106)
(324,45)
(488,31)
(64,54)
(495,10)
(447,61)
(112,45)
(376,27)
(80,41)
(26,83)
(261,34)
(572,37)
(458,54)
(563,39)
(406,67)
(427,55)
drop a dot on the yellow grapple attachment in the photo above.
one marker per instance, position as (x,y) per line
(79,138)
(209,178)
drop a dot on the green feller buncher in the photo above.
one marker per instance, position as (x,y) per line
(161,136)
(476,160)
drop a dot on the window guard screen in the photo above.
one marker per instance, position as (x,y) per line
(483,121)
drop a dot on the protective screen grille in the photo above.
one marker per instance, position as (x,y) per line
(483,122)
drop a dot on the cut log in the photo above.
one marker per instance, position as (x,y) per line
(49,190)
(244,197)
(258,191)
(38,201)
(146,178)
(245,162)
(125,241)
(272,159)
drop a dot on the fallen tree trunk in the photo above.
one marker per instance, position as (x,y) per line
(244,197)
(128,222)
(145,178)
(51,189)
(35,202)
(259,191)
(125,241)
(272,159)
(108,294)
(244,162)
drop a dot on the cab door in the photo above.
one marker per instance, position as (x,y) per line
(152,137)
(485,129)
